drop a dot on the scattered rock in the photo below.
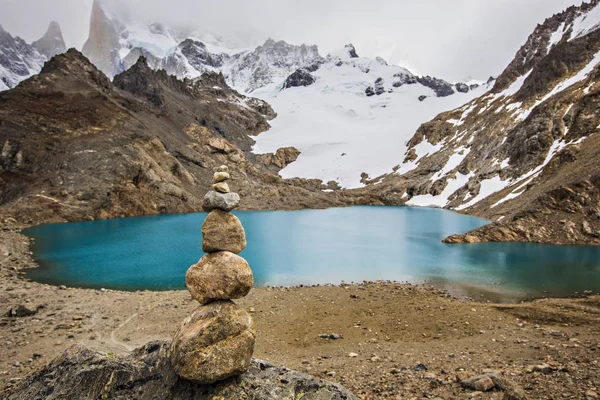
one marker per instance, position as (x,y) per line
(420,367)
(22,311)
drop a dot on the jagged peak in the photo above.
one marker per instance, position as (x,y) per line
(54,29)
(141,65)
(73,60)
(211,78)
(538,43)
(270,43)
(52,43)
(351,50)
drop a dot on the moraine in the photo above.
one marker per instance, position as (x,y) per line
(314,247)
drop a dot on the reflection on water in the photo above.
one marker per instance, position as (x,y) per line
(314,246)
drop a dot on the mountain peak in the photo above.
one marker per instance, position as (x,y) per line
(351,50)
(54,29)
(103,41)
(52,43)
(74,62)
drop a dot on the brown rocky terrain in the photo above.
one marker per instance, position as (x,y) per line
(77,147)
(380,340)
(525,154)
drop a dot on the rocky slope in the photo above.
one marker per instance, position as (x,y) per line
(19,60)
(525,153)
(76,146)
(81,373)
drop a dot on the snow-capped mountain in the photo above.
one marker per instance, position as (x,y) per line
(19,60)
(351,117)
(524,154)
(115,45)
(336,110)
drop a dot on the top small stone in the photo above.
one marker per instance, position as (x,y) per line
(220,177)
(223,168)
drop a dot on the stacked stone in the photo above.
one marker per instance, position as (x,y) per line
(217,340)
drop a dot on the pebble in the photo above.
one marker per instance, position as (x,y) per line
(591,394)
(420,367)
(352,355)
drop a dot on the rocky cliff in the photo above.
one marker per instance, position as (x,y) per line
(525,153)
(77,147)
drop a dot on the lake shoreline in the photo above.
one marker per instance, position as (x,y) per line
(390,326)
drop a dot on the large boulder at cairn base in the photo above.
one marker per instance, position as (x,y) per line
(221,201)
(214,343)
(146,374)
(222,231)
(219,276)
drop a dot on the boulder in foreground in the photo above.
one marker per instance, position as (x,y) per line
(214,343)
(81,373)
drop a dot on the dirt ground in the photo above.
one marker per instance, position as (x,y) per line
(398,341)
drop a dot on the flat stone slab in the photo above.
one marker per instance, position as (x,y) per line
(82,373)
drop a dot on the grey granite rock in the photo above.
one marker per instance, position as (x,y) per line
(81,373)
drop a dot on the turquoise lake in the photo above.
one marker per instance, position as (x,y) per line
(314,246)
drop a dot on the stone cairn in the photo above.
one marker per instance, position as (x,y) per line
(217,340)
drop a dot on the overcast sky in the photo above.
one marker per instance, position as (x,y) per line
(450,39)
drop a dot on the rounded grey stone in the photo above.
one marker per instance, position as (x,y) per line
(222,201)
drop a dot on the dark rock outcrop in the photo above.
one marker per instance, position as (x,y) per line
(461,87)
(300,77)
(282,157)
(351,50)
(439,86)
(81,373)
(379,86)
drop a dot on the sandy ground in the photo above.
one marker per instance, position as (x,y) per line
(550,347)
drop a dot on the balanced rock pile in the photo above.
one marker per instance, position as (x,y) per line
(217,340)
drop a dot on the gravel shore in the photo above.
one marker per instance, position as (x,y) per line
(379,339)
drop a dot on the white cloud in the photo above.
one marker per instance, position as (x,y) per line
(450,39)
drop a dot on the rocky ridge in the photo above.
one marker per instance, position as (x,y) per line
(524,153)
(19,60)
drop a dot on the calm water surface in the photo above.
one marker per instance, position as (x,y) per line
(314,246)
